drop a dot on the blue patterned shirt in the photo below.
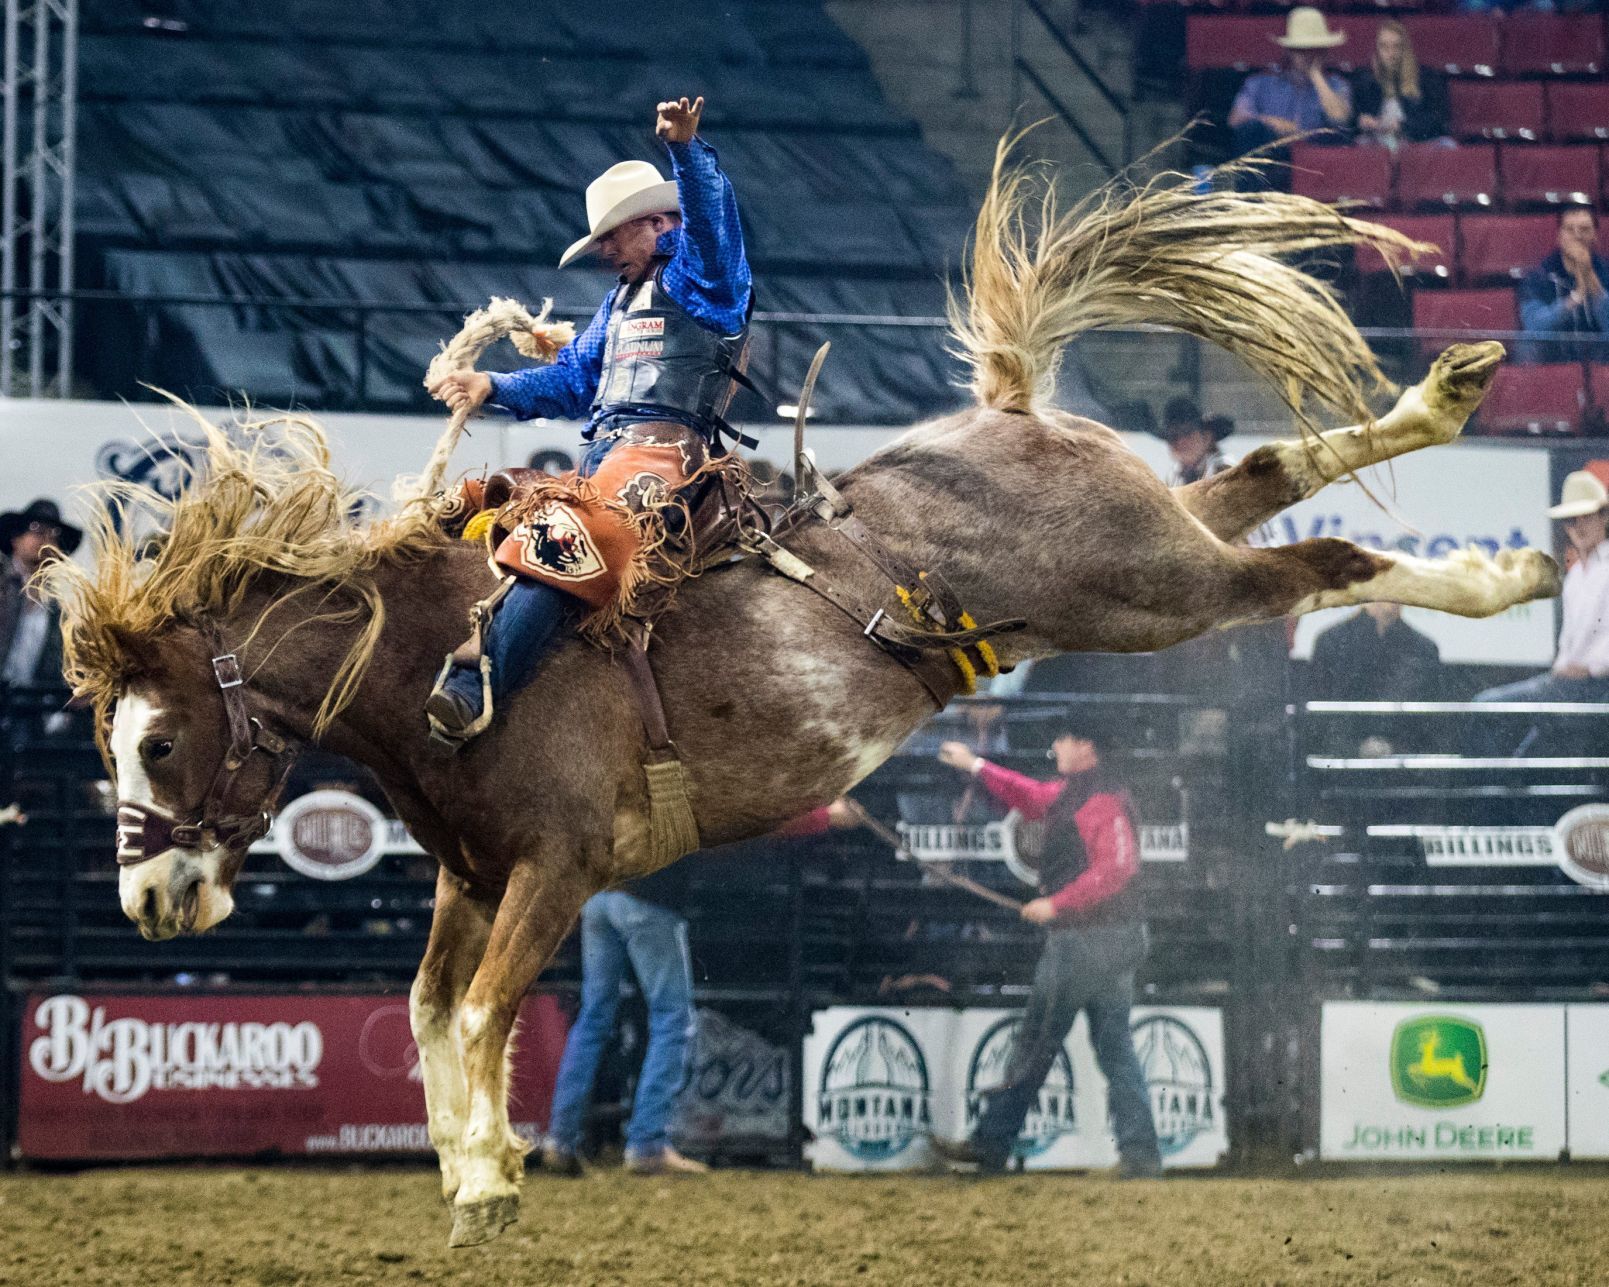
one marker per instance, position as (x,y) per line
(706,273)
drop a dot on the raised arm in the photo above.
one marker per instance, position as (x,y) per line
(709,272)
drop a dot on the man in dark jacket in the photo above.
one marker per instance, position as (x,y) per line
(1097,939)
(1375,656)
(1565,293)
(30,637)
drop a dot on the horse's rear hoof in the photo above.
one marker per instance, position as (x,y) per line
(475,1223)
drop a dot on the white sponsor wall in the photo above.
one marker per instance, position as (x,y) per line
(1587,1027)
(1491,497)
(1441,1082)
(877,1081)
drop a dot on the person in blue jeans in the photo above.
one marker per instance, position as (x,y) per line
(1096,942)
(623,932)
(639,929)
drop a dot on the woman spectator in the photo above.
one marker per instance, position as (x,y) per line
(1398,101)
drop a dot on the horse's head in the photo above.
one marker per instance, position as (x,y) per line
(195,772)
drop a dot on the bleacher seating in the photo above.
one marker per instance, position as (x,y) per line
(378,152)
(1548,175)
(1558,44)
(1497,109)
(1541,398)
(1578,110)
(1493,248)
(1433,177)
(1439,230)
(1356,174)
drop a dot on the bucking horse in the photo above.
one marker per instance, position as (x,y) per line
(265,616)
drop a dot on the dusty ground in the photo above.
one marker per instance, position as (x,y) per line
(276,1227)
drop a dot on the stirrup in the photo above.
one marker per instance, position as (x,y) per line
(471,652)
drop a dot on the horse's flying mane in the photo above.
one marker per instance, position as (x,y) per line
(264,504)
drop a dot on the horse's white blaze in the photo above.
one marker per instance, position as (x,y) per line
(161,880)
(1467,584)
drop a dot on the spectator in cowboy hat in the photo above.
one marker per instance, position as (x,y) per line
(1193,441)
(30,642)
(1297,98)
(1581,668)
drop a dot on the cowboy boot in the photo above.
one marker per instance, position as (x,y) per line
(510,629)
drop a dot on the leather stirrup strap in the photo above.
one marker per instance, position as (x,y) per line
(646,689)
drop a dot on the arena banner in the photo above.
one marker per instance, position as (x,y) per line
(1587,1027)
(128,1076)
(1490,497)
(1443,1082)
(737,1088)
(876,1085)
(878,1081)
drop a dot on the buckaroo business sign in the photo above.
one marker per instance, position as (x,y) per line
(112,1076)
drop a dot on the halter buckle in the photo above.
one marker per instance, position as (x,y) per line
(226,670)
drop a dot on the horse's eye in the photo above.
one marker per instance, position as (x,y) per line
(158,748)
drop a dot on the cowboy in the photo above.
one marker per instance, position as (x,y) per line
(1194,441)
(1298,98)
(30,641)
(1096,941)
(652,374)
(1580,670)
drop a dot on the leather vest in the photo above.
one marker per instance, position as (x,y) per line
(657,358)
(1063,858)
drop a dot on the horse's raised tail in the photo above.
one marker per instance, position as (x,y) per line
(1217,265)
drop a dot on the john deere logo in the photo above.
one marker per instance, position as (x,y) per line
(1438,1061)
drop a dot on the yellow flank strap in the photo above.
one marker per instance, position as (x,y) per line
(477,527)
(963,663)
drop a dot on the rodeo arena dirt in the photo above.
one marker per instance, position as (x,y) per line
(804,641)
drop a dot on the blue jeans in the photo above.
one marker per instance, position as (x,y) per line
(617,931)
(1089,968)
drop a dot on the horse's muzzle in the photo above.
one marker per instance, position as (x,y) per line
(176,892)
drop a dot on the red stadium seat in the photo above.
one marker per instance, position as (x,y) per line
(1458,44)
(1242,43)
(1548,176)
(1437,230)
(1544,398)
(1578,111)
(1484,311)
(1484,109)
(1494,248)
(1360,29)
(1552,44)
(1432,176)
(1357,174)
(1598,386)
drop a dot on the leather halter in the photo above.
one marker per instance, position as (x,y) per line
(144,832)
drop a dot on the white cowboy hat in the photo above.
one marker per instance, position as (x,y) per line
(1305,28)
(620,194)
(1582,494)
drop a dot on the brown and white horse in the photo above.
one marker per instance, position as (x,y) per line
(775,702)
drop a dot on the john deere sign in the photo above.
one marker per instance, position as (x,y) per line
(1438,1061)
(1477,1081)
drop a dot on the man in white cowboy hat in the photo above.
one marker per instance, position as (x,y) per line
(1299,97)
(1581,669)
(652,375)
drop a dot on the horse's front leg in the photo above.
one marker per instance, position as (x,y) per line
(458,934)
(543,898)
(1276,475)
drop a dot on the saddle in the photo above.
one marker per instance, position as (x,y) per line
(719,517)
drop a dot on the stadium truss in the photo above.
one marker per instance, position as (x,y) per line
(36,197)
